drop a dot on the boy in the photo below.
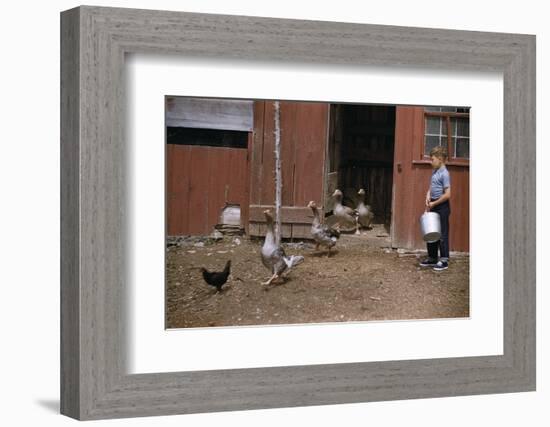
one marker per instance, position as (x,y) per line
(438,200)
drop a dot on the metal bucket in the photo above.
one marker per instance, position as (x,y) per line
(430,226)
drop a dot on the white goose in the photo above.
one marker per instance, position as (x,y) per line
(273,256)
(344,214)
(365,212)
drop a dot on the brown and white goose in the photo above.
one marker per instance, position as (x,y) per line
(273,255)
(344,214)
(322,233)
(366,215)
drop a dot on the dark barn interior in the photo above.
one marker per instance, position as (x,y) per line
(361,155)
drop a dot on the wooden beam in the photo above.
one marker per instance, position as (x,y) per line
(289,214)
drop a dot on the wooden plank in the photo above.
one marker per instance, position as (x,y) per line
(253,229)
(257,229)
(301,231)
(262,229)
(289,230)
(460,207)
(178,163)
(289,214)
(402,198)
(245,207)
(288,142)
(236,175)
(311,136)
(286,230)
(267,195)
(218,176)
(256,153)
(184,182)
(419,183)
(209,113)
(197,201)
(170,197)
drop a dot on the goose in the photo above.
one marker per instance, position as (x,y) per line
(273,255)
(365,213)
(344,214)
(322,234)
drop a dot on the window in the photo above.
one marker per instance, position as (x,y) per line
(450,128)
(209,122)
(207,137)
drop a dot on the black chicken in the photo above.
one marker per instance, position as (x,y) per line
(217,278)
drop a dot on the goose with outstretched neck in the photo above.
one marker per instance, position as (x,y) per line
(273,255)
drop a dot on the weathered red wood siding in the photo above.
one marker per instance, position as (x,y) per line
(411,179)
(199,181)
(304,127)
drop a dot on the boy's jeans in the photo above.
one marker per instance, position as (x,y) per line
(444,211)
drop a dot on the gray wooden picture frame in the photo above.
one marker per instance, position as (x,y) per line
(94,382)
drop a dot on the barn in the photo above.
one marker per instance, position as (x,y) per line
(220,164)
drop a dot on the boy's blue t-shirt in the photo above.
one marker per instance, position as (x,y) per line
(441,179)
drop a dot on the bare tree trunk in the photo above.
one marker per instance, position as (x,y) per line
(278,178)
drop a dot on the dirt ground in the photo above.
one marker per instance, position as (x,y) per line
(362,280)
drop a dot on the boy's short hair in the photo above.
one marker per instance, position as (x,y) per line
(440,152)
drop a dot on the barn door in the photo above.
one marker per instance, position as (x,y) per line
(304,130)
(410,179)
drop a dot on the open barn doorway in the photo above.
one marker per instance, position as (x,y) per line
(361,155)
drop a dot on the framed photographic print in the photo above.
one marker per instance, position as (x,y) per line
(348,146)
(261,213)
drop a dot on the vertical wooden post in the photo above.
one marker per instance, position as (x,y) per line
(278,183)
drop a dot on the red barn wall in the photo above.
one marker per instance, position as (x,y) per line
(411,177)
(199,182)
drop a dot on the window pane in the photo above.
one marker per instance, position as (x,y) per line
(460,126)
(432,108)
(433,125)
(448,109)
(436,126)
(430,142)
(462,147)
